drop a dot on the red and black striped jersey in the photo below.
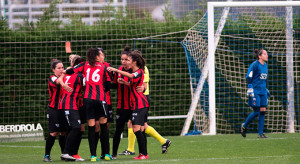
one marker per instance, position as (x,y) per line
(70,100)
(95,78)
(137,99)
(123,90)
(54,92)
(80,102)
(107,93)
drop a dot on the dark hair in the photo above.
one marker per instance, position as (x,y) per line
(126,50)
(137,56)
(54,62)
(101,49)
(78,60)
(258,52)
(91,55)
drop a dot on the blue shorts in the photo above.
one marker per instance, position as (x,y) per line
(258,100)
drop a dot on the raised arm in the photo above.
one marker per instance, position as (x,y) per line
(129,75)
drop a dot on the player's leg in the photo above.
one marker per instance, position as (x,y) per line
(254,103)
(138,121)
(153,133)
(97,133)
(121,119)
(104,136)
(91,115)
(261,121)
(82,130)
(63,128)
(72,137)
(131,137)
(109,120)
(53,132)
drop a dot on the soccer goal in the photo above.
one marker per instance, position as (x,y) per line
(218,63)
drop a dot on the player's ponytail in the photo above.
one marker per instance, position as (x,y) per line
(54,62)
(72,58)
(137,56)
(78,61)
(126,50)
(91,56)
(258,52)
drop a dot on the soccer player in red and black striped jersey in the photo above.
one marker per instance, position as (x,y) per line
(57,124)
(75,60)
(94,98)
(108,101)
(123,113)
(69,102)
(138,101)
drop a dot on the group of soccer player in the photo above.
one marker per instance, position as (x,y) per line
(68,112)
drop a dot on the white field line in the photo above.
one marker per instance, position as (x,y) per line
(22,146)
(197,159)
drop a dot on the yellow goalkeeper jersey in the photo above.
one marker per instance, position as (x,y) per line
(146,80)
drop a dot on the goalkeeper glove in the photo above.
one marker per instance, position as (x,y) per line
(250,91)
(268,93)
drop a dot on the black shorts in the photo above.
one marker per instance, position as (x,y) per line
(95,109)
(123,115)
(73,118)
(110,114)
(138,116)
(146,115)
(82,114)
(57,121)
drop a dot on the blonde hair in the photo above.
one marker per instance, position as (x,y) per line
(73,57)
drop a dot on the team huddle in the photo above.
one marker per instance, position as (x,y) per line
(81,94)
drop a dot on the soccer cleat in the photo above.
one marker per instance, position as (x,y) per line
(141,156)
(94,159)
(114,157)
(137,156)
(243,130)
(262,136)
(67,157)
(147,156)
(126,152)
(165,146)
(108,157)
(78,158)
(47,158)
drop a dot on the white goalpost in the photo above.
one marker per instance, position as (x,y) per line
(211,39)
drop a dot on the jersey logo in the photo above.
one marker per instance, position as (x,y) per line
(135,74)
(251,74)
(263,76)
(53,78)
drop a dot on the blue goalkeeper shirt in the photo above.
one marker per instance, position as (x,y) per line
(257,76)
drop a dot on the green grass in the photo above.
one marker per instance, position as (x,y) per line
(279,148)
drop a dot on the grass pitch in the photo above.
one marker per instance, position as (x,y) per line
(278,148)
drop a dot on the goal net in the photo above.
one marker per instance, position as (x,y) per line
(238,31)
(33,32)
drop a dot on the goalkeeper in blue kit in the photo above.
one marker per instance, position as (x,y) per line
(257,91)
